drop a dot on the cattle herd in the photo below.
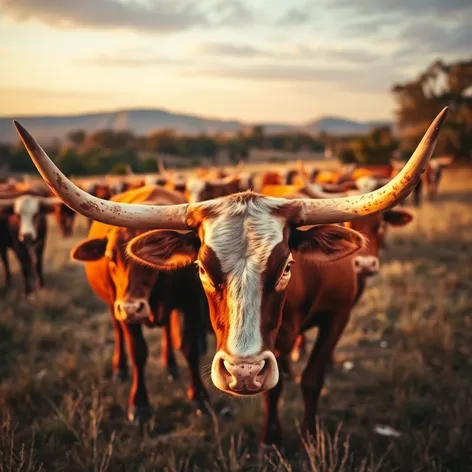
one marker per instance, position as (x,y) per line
(254,258)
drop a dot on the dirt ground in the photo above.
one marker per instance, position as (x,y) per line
(409,347)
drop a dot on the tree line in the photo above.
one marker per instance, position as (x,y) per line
(109,151)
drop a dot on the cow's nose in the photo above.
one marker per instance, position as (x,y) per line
(245,376)
(366,265)
(132,311)
(26,238)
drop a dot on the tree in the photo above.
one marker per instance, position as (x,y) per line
(77,137)
(70,162)
(257,136)
(164,141)
(420,100)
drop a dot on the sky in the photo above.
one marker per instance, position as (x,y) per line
(252,60)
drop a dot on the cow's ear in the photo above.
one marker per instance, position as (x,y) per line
(89,250)
(397,217)
(165,249)
(326,243)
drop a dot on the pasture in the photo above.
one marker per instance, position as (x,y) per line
(409,341)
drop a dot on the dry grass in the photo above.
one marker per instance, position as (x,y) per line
(60,412)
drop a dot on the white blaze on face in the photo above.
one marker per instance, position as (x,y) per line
(243,237)
(195,188)
(26,207)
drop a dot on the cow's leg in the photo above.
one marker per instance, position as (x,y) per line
(197,393)
(119,360)
(6,265)
(285,368)
(272,429)
(172,324)
(299,350)
(139,409)
(417,193)
(24,260)
(39,265)
(312,380)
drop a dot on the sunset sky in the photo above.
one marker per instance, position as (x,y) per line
(254,60)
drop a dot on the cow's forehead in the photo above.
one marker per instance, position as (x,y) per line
(248,228)
(26,204)
(117,238)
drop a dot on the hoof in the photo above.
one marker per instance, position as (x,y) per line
(139,415)
(173,374)
(120,376)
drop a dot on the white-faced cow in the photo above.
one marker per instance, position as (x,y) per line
(23,229)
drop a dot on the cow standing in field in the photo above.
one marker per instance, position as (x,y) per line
(23,229)
(373,227)
(431,180)
(244,246)
(138,294)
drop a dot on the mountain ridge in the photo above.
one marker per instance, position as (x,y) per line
(143,121)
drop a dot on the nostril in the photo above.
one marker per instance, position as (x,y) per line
(224,367)
(264,369)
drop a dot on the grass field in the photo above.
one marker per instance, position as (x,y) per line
(409,340)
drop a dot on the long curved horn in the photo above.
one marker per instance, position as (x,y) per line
(104,211)
(338,210)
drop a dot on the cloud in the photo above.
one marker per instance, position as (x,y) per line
(438,39)
(427,7)
(49,93)
(297,15)
(289,52)
(131,58)
(372,80)
(232,50)
(152,17)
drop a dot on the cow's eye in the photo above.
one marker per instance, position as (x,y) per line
(285,277)
(204,277)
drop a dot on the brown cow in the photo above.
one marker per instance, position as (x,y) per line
(366,263)
(200,189)
(137,294)
(23,229)
(243,245)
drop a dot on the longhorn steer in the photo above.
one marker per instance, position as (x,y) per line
(23,228)
(243,245)
(138,294)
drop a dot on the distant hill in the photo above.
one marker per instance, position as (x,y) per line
(336,125)
(141,122)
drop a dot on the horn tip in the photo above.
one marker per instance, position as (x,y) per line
(436,125)
(27,139)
